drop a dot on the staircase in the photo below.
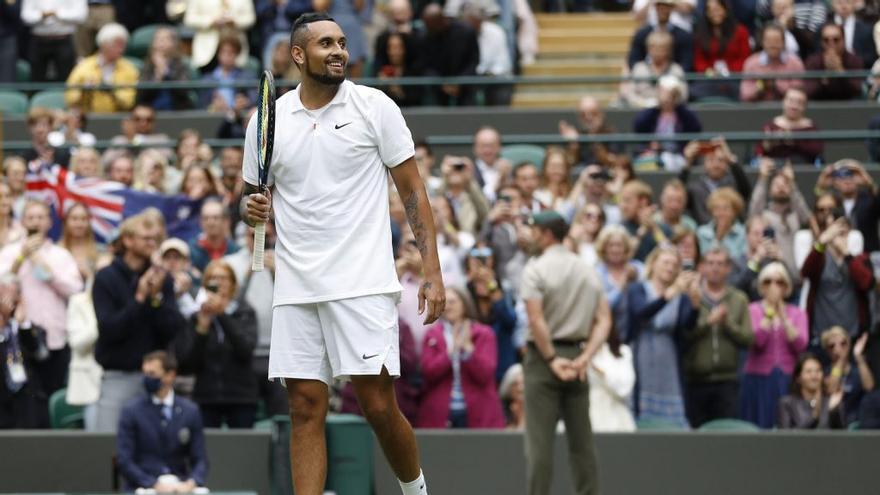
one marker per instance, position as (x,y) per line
(574,45)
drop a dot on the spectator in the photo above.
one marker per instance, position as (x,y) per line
(617,269)
(555,181)
(218,347)
(859,197)
(230,185)
(785,211)
(512,392)
(502,234)
(252,288)
(401,59)
(198,183)
(659,309)
(11,230)
(637,212)
(10,23)
(492,170)
(569,319)
(839,283)
(23,401)
(681,16)
(86,162)
(409,271)
(214,20)
(48,278)
(807,406)
(52,24)
(783,126)
(235,122)
(164,63)
(858,35)
(275,19)
(452,242)
(780,336)
(462,190)
(494,54)
(136,312)
(657,63)
(187,152)
(72,130)
(724,229)
(459,358)
(592,188)
(583,235)
(525,179)
(801,20)
(214,241)
(847,372)
(134,14)
(773,59)
(141,130)
(39,122)
(224,97)
(689,248)
(612,380)
(174,255)
(591,122)
(14,170)
(761,250)
(351,15)
(105,77)
(450,49)
(398,15)
(150,170)
(277,59)
(722,331)
(671,217)
(671,116)
(121,169)
(161,444)
(721,46)
(78,239)
(424,157)
(100,12)
(682,41)
(720,169)
(493,307)
(833,57)
(827,208)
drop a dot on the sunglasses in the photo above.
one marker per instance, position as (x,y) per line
(776,281)
(832,345)
(144,118)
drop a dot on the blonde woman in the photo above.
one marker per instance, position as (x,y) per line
(617,268)
(150,170)
(86,162)
(848,371)
(556,181)
(725,229)
(15,172)
(78,238)
(11,230)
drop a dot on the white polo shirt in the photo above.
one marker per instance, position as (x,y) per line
(330,172)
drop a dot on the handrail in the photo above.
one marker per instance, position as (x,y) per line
(436,81)
(539,139)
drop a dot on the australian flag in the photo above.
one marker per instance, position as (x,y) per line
(108,202)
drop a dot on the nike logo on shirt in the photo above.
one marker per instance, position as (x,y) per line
(371,356)
(338,126)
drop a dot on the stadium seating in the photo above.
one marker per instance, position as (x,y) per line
(50,98)
(658,425)
(63,416)
(728,424)
(139,43)
(22,70)
(13,102)
(519,153)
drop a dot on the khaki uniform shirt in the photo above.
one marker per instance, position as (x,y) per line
(569,291)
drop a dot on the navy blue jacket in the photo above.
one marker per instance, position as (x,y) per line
(128,330)
(682,47)
(645,122)
(148,446)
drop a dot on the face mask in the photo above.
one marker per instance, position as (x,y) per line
(152,384)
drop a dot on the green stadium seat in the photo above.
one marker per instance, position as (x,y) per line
(253,66)
(854,426)
(13,102)
(729,424)
(518,153)
(63,416)
(137,62)
(22,70)
(49,98)
(658,425)
(140,40)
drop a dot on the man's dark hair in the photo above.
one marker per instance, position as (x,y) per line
(301,26)
(558,228)
(169,363)
(421,143)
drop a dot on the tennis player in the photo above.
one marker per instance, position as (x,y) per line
(336,290)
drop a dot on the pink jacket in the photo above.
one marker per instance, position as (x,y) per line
(477,380)
(771,348)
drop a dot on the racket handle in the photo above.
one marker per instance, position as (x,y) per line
(259,246)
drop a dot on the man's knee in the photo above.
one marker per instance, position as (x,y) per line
(376,398)
(307,400)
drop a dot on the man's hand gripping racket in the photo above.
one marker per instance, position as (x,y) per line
(265,141)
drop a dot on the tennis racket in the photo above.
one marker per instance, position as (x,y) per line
(265,140)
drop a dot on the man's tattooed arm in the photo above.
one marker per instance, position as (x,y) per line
(418,213)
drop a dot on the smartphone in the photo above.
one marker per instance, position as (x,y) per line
(769,233)
(214,288)
(707,147)
(32,232)
(458,167)
(504,197)
(688,265)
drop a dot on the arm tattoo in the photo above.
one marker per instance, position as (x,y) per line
(420,231)
(246,191)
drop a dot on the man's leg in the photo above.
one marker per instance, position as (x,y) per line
(579,432)
(375,395)
(542,413)
(308,448)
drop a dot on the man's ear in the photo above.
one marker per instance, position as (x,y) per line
(298,54)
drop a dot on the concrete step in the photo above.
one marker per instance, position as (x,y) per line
(591,21)
(557,99)
(574,67)
(562,47)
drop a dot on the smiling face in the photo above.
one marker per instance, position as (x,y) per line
(323,55)
(715,12)
(773,42)
(810,377)
(76,224)
(454,311)
(793,104)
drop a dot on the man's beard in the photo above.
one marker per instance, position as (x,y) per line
(323,78)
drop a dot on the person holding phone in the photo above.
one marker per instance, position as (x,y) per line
(217,346)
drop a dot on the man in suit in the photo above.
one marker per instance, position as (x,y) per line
(160,444)
(858,34)
(683,42)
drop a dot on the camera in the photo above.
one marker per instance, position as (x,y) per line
(769,233)
(458,167)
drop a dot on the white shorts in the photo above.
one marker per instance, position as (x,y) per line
(335,339)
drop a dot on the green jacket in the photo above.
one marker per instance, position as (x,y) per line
(712,351)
